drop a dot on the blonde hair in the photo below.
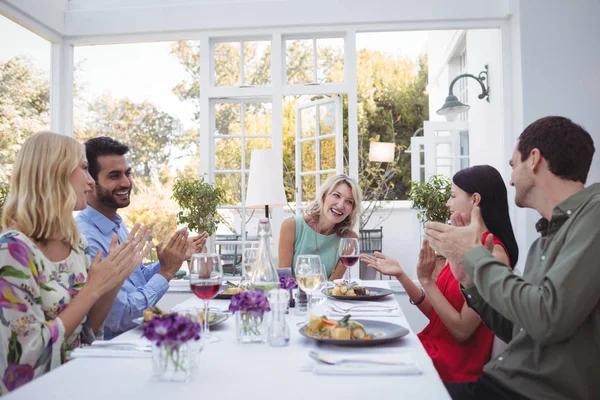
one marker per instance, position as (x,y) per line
(41,199)
(315,208)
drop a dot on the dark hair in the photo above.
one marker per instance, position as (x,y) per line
(102,146)
(567,147)
(487,181)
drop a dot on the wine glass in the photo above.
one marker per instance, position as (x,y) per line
(248,260)
(206,275)
(309,275)
(349,252)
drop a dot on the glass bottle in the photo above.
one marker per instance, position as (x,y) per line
(279,331)
(264,275)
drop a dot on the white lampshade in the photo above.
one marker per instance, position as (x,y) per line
(265,183)
(382,152)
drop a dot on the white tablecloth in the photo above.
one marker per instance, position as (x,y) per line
(229,370)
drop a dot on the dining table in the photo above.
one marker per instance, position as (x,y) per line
(230,370)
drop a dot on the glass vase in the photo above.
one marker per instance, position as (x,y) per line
(250,328)
(172,362)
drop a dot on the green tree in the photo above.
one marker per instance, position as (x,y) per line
(24,108)
(152,135)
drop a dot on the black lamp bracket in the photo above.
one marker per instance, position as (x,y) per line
(482,79)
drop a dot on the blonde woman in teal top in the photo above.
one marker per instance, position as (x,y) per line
(326,220)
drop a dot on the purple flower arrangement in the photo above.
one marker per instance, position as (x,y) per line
(287,283)
(254,302)
(171,330)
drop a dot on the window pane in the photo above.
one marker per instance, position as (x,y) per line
(309,161)
(422,174)
(443,150)
(257,118)
(229,228)
(257,63)
(308,122)
(464,163)
(228,120)
(226,58)
(464,143)
(308,188)
(299,61)
(327,118)
(255,144)
(330,60)
(24,90)
(328,153)
(232,185)
(228,154)
(253,215)
(443,161)
(323,177)
(445,171)
(421,154)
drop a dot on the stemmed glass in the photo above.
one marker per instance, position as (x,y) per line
(248,260)
(309,275)
(349,252)
(206,275)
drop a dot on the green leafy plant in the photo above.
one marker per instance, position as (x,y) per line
(3,194)
(198,201)
(430,198)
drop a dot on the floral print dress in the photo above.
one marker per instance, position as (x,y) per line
(33,291)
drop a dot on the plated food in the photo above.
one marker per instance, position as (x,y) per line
(348,332)
(346,291)
(214,317)
(229,292)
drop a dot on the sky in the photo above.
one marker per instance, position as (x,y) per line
(146,71)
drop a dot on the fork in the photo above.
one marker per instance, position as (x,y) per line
(364,307)
(120,346)
(333,360)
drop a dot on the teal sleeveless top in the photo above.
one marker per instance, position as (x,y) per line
(305,244)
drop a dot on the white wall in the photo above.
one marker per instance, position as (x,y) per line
(560,60)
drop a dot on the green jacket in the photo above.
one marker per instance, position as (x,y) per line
(550,317)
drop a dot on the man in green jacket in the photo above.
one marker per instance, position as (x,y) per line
(550,317)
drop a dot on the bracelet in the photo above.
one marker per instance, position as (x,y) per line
(416,303)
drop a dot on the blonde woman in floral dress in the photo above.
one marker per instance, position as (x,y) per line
(53,298)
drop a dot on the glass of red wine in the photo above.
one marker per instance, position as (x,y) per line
(206,275)
(349,252)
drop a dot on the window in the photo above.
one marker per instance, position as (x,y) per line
(242,63)
(239,127)
(24,90)
(314,61)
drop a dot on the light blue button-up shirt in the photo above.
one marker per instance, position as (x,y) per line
(142,289)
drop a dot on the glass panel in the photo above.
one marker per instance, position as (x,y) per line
(445,171)
(226,58)
(421,154)
(443,161)
(464,163)
(442,133)
(327,118)
(308,188)
(330,60)
(323,177)
(230,227)
(24,90)
(464,143)
(255,144)
(299,61)
(257,63)
(253,215)
(308,122)
(228,154)
(422,174)
(443,149)
(309,161)
(257,118)
(232,185)
(228,120)
(328,153)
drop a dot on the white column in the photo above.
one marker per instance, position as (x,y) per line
(61,88)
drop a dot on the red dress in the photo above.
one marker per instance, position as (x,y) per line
(456,361)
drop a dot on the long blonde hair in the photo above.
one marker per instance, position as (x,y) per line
(315,208)
(41,199)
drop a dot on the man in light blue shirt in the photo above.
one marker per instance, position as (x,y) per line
(99,221)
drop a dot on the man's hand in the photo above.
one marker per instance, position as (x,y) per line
(173,254)
(456,241)
(195,245)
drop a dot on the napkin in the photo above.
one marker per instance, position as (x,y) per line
(109,352)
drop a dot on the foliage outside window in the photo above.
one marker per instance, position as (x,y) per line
(3,193)
(430,198)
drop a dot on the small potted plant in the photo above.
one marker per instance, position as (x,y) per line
(430,199)
(249,309)
(172,357)
(198,201)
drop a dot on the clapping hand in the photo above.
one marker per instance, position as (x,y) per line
(195,244)
(173,254)
(426,263)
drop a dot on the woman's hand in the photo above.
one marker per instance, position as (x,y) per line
(121,261)
(426,263)
(384,264)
